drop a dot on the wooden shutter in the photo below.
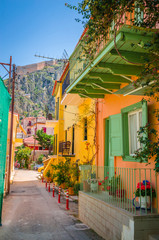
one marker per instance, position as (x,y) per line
(116,139)
(144,113)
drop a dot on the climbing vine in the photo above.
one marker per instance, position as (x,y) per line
(101,20)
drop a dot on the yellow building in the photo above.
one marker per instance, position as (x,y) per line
(74,125)
(17,140)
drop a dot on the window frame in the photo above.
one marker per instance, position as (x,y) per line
(125,111)
(137,112)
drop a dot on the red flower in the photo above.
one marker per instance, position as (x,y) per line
(143,187)
(139,185)
(115,172)
(103,181)
(148,187)
(99,183)
(107,172)
(106,178)
(108,187)
(102,189)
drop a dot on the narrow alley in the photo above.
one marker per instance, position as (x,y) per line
(30,213)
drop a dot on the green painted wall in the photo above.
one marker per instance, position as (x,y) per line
(4,109)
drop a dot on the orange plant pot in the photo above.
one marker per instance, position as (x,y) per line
(70,191)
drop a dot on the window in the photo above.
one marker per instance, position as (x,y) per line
(29,131)
(134,124)
(85,128)
(123,129)
(133,117)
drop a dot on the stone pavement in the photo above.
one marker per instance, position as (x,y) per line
(30,213)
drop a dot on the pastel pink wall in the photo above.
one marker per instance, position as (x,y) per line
(110,105)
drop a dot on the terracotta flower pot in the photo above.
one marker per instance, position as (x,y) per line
(70,191)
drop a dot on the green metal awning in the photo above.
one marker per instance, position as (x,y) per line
(108,71)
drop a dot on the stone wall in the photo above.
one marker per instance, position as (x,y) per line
(113,223)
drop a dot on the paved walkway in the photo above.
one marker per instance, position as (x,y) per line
(30,213)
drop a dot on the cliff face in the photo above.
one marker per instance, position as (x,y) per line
(34,85)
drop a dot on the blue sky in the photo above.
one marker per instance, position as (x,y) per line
(29,27)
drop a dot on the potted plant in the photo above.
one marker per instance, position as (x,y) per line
(62,173)
(70,186)
(93,184)
(144,192)
(48,176)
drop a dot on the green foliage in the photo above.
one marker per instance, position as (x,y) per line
(76,188)
(149,140)
(23,156)
(62,172)
(48,174)
(40,159)
(98,15)
(45,140)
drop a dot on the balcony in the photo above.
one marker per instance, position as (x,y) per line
(111,201)
(110,71)
(131,189)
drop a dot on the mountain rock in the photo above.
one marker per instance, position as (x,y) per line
(33,89)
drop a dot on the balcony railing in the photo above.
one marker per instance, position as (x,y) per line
(131,189)
(64,147)
(77,66)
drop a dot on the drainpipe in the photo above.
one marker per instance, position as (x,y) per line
(96,129)
(11,129)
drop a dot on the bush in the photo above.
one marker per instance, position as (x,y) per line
(76,188)
(40,159)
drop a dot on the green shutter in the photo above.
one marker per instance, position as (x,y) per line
(144,113)
(116,140)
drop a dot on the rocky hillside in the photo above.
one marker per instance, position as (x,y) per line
(34,85)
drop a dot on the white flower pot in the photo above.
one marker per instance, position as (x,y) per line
(145,202)
(94,187)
